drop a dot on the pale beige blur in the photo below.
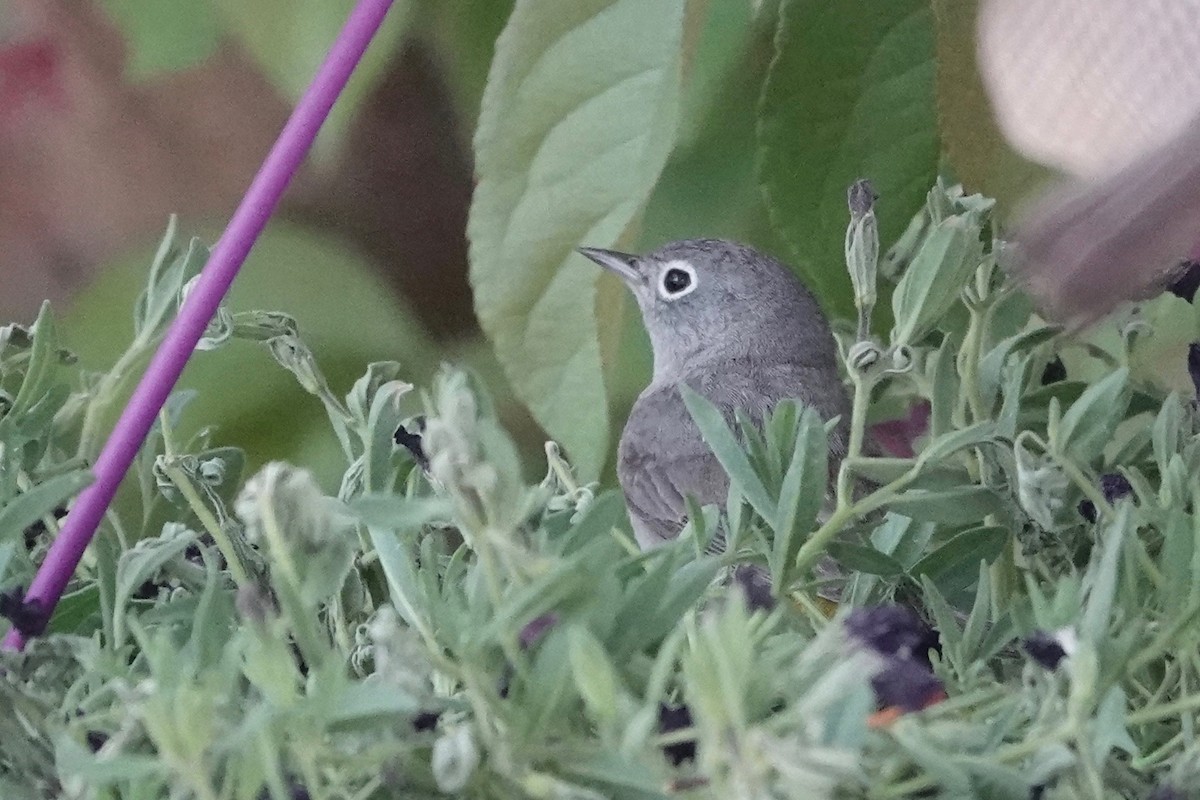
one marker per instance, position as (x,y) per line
(1109,92)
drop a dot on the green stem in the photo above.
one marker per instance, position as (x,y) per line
(118,528)
(858,429)
(560,469)
(272,772)
(370,789)
(1151,759)
(675,737)
(105,393)
(341,633)
(288,589)
(811,550)
(1089,488)
(196,503)
(969,365)
(489,555)
(1155,713)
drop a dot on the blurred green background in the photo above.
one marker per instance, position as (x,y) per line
(122,112)
(369,252)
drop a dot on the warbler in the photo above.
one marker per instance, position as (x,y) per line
(739,328)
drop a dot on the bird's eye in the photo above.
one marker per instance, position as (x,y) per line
(678,278)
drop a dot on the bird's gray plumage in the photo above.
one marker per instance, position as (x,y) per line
(746,336)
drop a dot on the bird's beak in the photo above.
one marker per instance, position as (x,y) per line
(621,263)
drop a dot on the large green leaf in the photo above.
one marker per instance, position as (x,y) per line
(849,95)
(577,121)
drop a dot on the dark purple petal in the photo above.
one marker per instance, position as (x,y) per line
(533,631)
(892,630)
(755,583)
(1188,281)
(1193,364)
(1165,791)
(38,529)
(296,791)
(1114,485)
(673,718)
(907,685)
(29,617)
(1045,649)
(1054,372)
(425,721)
(411,441)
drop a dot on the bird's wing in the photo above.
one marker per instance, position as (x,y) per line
(662,456)
(659,465)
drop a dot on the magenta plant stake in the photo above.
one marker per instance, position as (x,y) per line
(200,306)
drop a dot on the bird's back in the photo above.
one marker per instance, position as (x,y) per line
(662,456)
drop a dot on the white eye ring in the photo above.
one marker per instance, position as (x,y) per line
(680,265)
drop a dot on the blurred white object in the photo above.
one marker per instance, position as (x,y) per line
(1087,86)
(1109,92)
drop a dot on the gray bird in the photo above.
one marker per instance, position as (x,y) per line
(740,329)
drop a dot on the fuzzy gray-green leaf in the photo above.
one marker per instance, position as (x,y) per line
(864,559)
(959,505)
(802,492)
(725,447)
(992,364)
(963,553)
(43,360)
(577,121)
(1087,425)
(1167,427)
(1101,578)
(933,281)
(40,500)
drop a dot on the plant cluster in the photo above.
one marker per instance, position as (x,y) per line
(1004,606)
(1012,613)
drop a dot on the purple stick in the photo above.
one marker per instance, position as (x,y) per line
(202,302)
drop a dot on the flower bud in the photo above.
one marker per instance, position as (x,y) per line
(862,245)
